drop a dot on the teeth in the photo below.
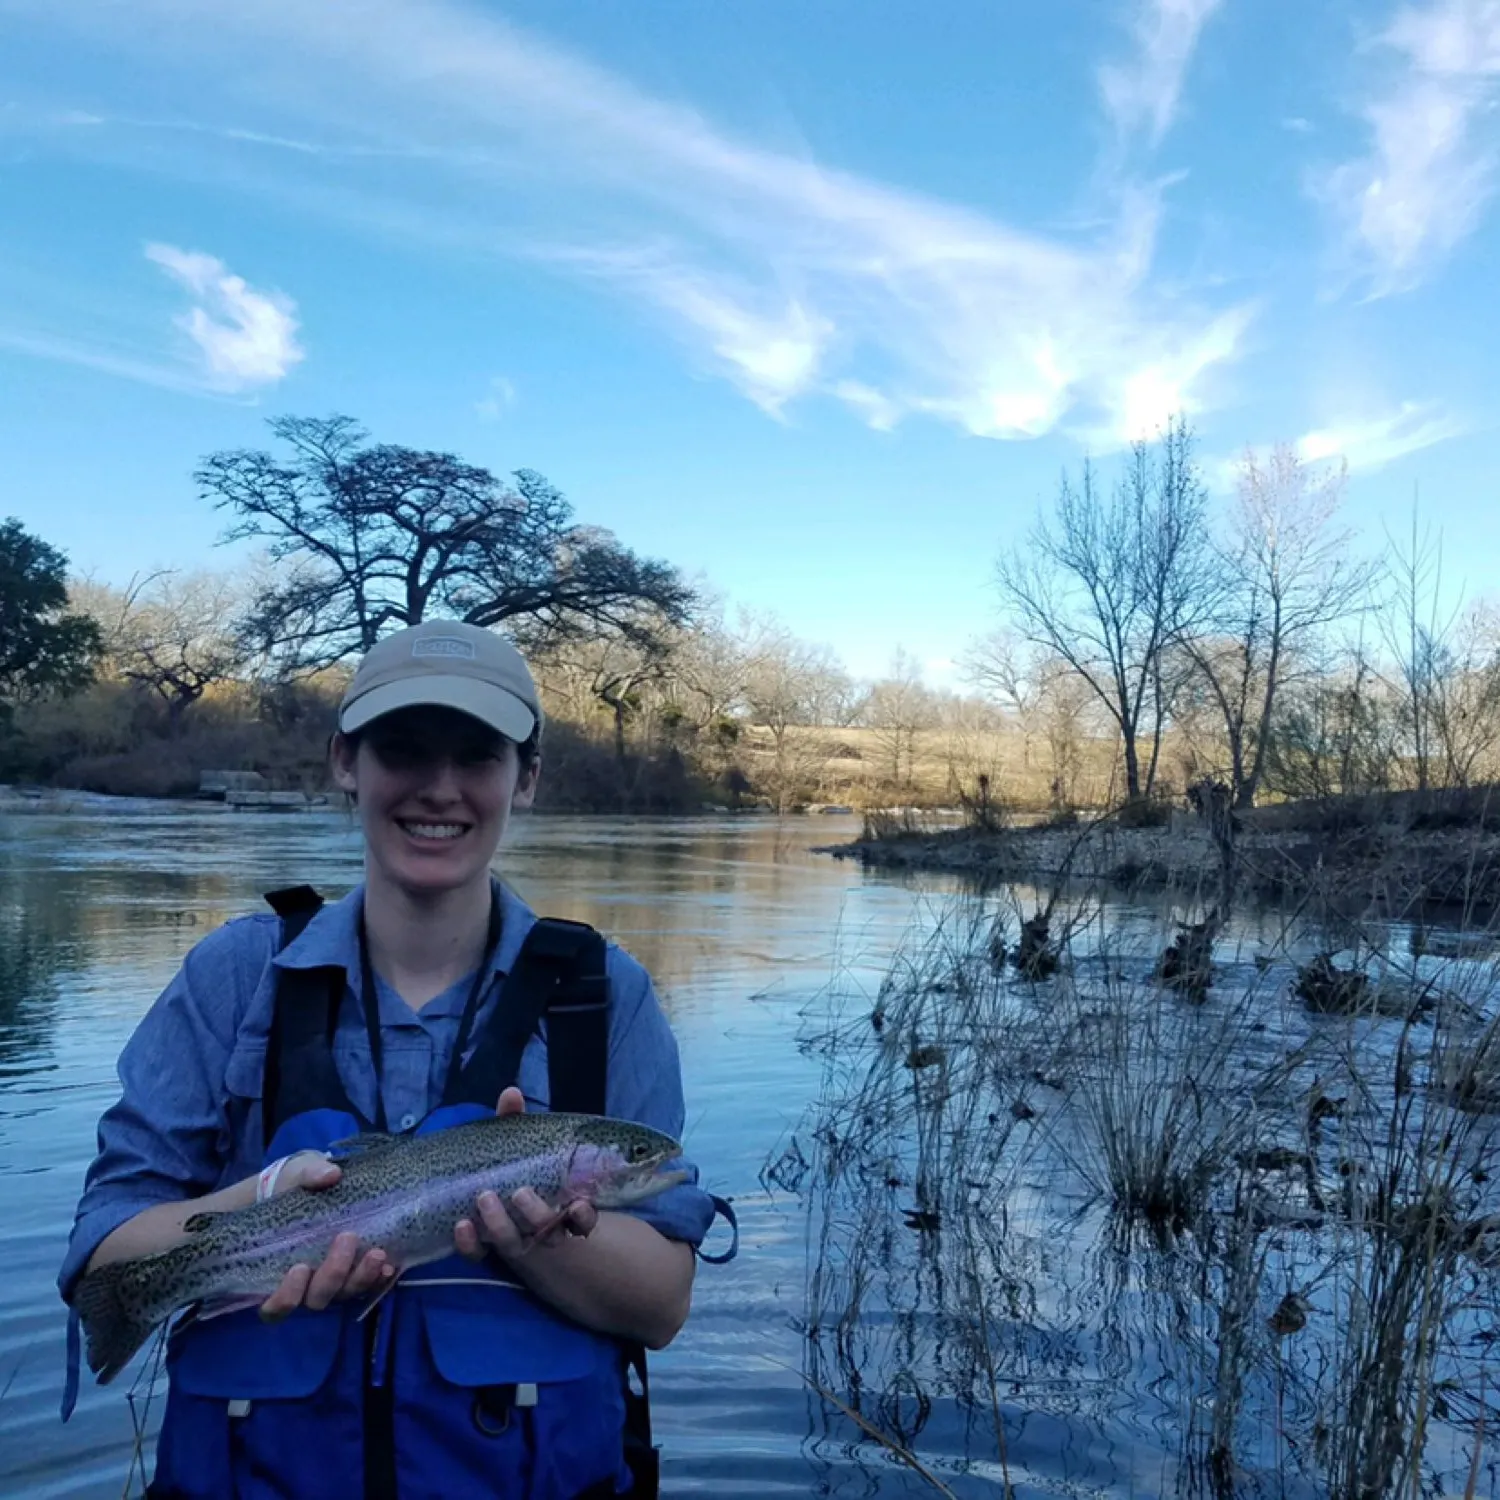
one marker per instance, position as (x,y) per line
(434,830)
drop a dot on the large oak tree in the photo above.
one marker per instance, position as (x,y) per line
(370,537)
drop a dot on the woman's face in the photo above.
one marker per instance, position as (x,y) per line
(435,789)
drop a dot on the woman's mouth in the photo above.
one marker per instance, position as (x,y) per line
(431,832)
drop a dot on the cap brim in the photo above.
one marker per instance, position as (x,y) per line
(484,701)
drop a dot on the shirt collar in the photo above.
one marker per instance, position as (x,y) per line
(331,939)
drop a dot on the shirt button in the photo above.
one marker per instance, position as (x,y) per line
(407,1121)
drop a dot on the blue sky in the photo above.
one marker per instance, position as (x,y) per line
(815,301)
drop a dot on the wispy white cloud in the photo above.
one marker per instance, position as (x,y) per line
(1372,442)
(791,280)
(1143,92)
(498,398)
(770,345)
(1364,442)
(106,359)
(879,412)
(1430,171)
(245,338)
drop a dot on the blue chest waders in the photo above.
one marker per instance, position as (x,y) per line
(459,1383)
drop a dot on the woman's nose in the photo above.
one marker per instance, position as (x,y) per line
(441,782)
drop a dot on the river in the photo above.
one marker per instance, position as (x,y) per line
(920,1155)
(741,925)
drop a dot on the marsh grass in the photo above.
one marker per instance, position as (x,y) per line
(1275,1228)
(1161,1098)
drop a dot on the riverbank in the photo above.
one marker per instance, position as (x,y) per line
(1394,856)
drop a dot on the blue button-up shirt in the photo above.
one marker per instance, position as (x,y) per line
(189,1121)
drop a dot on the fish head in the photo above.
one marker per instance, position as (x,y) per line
(617,1162)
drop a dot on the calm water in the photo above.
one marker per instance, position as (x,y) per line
(762,951)
(743,928)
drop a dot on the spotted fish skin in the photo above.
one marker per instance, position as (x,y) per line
(402,1194)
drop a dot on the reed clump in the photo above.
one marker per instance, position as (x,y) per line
(1255,1240)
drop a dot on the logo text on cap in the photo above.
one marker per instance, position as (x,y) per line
(443,645)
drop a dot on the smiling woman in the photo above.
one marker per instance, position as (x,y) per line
(428,997)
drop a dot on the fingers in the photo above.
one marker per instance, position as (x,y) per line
(511,1227)
(581,1218)
(288,1296)
(466,1239)
(497,1228)
(308,1169)
(372,1270)
(343,1273)
(512,1102)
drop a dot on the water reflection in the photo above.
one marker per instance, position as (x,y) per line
(742,928)
(1096,1357)
(1089,1237)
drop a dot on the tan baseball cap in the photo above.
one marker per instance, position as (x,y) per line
(450,665)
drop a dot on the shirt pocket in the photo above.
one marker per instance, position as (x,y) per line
(244,1077)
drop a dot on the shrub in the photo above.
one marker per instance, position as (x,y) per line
(1144,812)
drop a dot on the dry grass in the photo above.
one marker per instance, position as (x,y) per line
(851,767)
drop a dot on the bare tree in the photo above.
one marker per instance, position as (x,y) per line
(1336,730)
(621,673)
(972,736)
(793,690)
(1006,671)
(1284,573)
(1104,584)
(1465,698)
(897,709)
(173,633)
(1417,623)
(705,690)
(377,536)
(1050,703)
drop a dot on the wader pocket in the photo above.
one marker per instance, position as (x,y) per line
(260,1411)
(538,1398)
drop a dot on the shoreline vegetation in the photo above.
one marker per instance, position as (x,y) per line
(1235,1150)
(1152,640)
(1259,1212)
(1395,852)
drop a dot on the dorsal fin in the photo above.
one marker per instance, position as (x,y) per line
(359,1145)
(197,1223)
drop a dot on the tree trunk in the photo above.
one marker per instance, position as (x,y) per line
(618,707)
(1132,765)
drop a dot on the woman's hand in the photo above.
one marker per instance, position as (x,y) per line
(498,1229)
(344,1272)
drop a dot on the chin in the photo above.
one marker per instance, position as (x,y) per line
(432,875)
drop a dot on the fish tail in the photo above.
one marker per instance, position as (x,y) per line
(115,1320)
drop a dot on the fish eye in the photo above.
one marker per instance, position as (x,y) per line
(639,1151)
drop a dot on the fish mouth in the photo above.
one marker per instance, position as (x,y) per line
(642,1180)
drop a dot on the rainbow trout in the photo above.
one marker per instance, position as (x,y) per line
(402,1194)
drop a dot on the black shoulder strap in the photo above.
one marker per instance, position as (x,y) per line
(300,1073)
(560,973)
(296,905)
(577,1018)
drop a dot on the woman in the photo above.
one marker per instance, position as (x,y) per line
(502,1373)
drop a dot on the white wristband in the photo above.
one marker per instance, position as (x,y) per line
(266,1186)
